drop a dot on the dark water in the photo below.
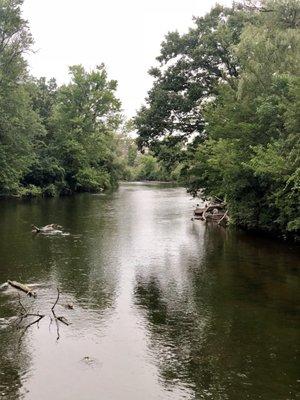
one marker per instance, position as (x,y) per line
(164,308)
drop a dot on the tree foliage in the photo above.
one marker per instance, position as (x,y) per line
(53,139)
(190,67)
(241,141)
(84,120)
(19,124)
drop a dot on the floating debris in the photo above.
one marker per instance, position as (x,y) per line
(70,306)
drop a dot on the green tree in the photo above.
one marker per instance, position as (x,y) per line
(148,168)
(19,124)
(190,67)
(85,119)
(45,171)
(250,158)
(241,138)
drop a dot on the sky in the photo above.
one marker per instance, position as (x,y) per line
(124,34)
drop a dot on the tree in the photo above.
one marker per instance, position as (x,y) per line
(19,124)
(84,122)
(253,130)
(190,67)
(238,138)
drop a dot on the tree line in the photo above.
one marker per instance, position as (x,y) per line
(224,110)
(222,116)
(57,140)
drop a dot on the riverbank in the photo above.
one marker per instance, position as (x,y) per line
(32,191)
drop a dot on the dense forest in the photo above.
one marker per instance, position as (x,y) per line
(222,117)
(60,140)
(53,139)
(224,110)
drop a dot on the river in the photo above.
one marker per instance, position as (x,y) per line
(164,307)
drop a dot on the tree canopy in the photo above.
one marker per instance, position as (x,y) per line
(53,139)
(227,94)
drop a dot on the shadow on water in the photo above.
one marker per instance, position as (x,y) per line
(232,332)
(164,308)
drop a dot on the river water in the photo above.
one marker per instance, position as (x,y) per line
(164,307)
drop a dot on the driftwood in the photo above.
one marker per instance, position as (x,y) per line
(224,218)
(22,287)
(47,228)
(199,211)
(214,211)
(212,207)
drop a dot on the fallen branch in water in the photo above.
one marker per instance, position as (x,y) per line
(213,211)
(36,317)
(22,287)
(225,217)
(211,207)
(26,314)
(54,315)
(56,318)
(23,308)
(51,228)
(36,321)
(63,320)
(56,301)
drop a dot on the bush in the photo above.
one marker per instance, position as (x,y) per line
(30,191)
(50,191)
(92,180)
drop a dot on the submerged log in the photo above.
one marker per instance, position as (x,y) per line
(199,211)
(212,207)
(22,287)
(214,217)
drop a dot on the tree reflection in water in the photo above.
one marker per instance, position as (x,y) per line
(227,329)
(163,306)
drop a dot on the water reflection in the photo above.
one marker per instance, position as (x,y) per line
(233,331)
(164,308)
(15,358)
(76,264)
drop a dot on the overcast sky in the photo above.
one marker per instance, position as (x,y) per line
(124,34)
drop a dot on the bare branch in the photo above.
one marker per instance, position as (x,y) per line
(63,320)
(23,308)
(224,216)
(56,301)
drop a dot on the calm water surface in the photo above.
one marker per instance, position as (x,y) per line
(164,308)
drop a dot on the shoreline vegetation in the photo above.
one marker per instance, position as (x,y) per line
(39,194)
(58,140)
(224,107)
(221,118)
